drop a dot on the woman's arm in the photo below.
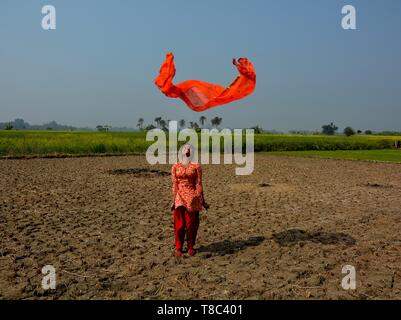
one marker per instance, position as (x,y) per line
(175,186)
(199,186)
(204,204)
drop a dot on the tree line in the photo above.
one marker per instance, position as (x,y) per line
(331,129)
(160,123)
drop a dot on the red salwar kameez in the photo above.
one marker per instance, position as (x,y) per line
(188,201)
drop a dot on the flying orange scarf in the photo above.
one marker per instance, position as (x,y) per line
(199,95)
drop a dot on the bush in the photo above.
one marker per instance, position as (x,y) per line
(329,129)
(348,131)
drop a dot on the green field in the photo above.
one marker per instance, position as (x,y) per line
(58,143)
(28,143)
(372,155)
(287,142)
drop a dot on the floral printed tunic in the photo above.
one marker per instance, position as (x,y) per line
(187,186)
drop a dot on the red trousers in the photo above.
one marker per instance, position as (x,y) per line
(185,221)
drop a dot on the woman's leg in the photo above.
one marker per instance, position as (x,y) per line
(192,223)
(179,227)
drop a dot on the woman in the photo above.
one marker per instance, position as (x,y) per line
(188,199)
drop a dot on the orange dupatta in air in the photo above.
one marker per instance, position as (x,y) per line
(199,95)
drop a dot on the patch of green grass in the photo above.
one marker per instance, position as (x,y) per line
(26,143)
(386,155)
(43,143)
(288,142)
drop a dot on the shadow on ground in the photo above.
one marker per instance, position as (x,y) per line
(229,247)
(293,236)
(140,172)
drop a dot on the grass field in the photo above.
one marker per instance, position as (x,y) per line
(386,155)
(287,142)
(22,143)
(41,143)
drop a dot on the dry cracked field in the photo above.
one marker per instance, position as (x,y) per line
(284,232)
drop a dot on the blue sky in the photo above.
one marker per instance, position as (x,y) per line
(99,65)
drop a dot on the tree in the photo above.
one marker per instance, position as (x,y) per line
(257,129)
(157,120)
(140,123)
(348,131)
(163,124)
(19,124)
(9,126)
(99,128)
(181,123)
(195,126)
(368,132)
(329,129)
(216,121)
(202,121)
(150,127)
(359,132)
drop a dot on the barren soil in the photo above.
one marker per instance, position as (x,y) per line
(284,232)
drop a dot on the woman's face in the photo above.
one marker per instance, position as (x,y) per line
(186,152)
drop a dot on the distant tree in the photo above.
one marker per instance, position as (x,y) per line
(157,120)
(150,127)
(359,132)
(140,123)
(301,132)
(181,123)
(388,133)
(213,121)
(163,124)
(329,129)
(19,124)
(9,126)
(257,129)
(368,132)
(216,121)
(100,128)
(348,131)
(202,121)
(195,126)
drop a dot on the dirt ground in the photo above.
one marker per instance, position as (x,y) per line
(284,232)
